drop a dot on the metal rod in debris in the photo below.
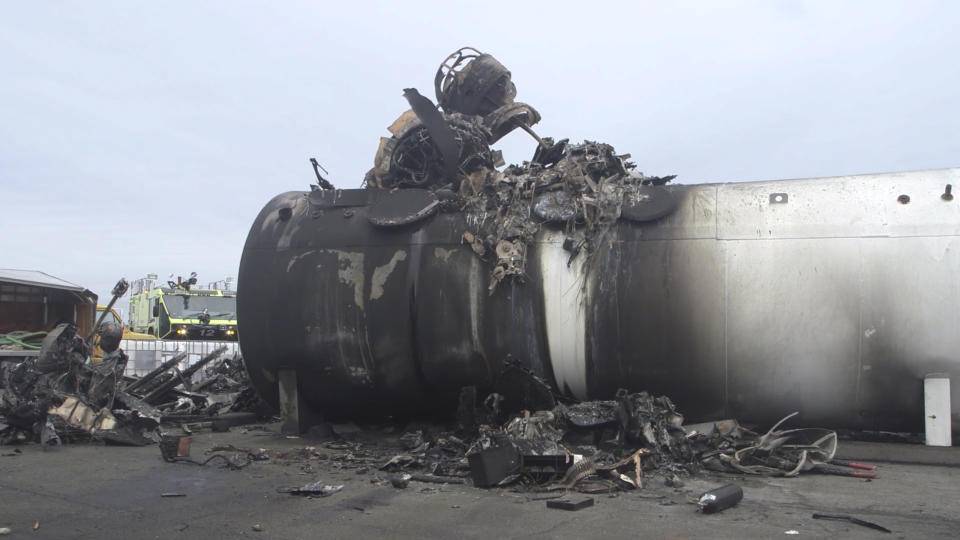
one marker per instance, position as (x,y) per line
(119,290)
(159,391)
(164,367)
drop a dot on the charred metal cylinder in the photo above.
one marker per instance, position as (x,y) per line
(718,500)
(750,301)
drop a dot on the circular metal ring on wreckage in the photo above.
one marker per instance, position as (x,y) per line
(402,207)
(650,203)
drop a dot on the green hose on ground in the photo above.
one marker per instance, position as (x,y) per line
(30,341)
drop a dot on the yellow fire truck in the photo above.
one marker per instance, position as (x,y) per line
(180,311)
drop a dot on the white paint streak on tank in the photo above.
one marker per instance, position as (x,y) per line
(443,254)
(381,273)
(476,301)
(565,310)
(295,259)
(350,272)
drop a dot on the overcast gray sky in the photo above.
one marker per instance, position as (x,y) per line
(146,138)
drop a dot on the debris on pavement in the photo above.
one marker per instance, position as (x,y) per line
(175,446)
(315,488)
(436,479)
(59,396)
(717,500)
(491,466)
(400,481)
(780,453)
(855,521)
(599,447)
(228,463)
(570,504)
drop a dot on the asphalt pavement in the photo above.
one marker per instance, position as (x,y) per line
(95,491)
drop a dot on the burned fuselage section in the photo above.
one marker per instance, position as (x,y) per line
(736,300)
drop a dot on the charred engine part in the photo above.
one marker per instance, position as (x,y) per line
(441,135)
(475,83)
(412,158)
(110,336)
(472,82)
(431,149)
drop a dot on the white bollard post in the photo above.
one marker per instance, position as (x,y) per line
(936,409)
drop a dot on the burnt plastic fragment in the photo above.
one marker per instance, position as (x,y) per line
(549,153)
(522,389)
(489,467)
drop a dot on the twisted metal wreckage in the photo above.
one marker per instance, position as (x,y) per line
(403,297)
(582,188)
(525,298)
(60,396)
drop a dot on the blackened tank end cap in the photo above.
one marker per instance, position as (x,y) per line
(402,207)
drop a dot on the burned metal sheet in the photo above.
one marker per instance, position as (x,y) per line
(648,203)
(402,207)
(59,397)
